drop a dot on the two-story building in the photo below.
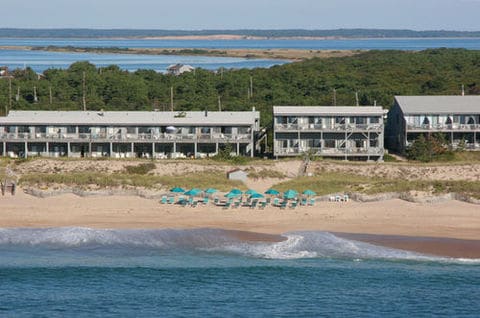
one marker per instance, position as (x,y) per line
(347,132)
(457,117)
(122,134)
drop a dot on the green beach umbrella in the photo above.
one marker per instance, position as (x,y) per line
(272,192)
(177,190)
(309,192)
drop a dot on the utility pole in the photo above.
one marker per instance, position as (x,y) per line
(356,99)
(219,104)
(9,93)
(17,97)
(334,97)
(251,87)
(50,91)
(35,98)
(171,98)
(84,99)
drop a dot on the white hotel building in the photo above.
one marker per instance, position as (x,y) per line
(347,132)
(122,134)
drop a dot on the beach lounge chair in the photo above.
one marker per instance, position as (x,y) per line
(276,202)
(303,202)
(293,205)
(312,202)
(163,200)
(236,204)
(205,200)
(194,204)
(283,205)
(171,200)
(262,205)
(254,204)
(227,205)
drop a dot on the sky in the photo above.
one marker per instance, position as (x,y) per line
(242,14)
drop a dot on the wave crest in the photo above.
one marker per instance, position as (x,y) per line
(297,245)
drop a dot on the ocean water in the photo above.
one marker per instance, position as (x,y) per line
(42,60)
(344,44)
(39,61)
(84,272)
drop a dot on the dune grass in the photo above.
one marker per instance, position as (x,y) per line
(333,182)
(103,180)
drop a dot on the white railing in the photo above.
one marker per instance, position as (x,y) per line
(330,151)
(336,127)
(125,137)
(460,127)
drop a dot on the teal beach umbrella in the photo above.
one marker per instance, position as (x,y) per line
(236,191)
(210,191)
(290,194)
(272,192)
(256,196)
(177,190)
(193,192)
(250,192)
(232,195)
(309,192)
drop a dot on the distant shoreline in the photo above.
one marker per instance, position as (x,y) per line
(278,54)
(234,37)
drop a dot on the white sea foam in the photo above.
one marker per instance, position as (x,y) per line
(298,245)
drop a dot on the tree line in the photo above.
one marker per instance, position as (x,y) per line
(376,76)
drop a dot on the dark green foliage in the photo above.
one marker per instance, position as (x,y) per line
(376,75)
(430,148)
(142,168)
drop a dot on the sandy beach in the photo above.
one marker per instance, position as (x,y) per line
(455,220)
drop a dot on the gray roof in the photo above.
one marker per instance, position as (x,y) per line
(328,110)
(133,118)
(439,104)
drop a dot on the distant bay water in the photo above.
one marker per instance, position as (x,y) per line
(41,60)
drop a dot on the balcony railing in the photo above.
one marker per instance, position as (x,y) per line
(324,127)
(329,151)
(441,127)
(124,137)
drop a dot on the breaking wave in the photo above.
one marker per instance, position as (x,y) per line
(297,245)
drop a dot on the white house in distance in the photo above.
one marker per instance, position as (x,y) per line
(457,117)
(347,132)
(121,134)
(177,69)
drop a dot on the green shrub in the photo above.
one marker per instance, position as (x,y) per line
(142,168)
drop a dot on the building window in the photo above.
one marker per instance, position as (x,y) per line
(131,130)
(226,130)
(360,120)
(205,130)
(71,129)
(374,120)
(329,143)
(339,120)
(84,129)
(144,130)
